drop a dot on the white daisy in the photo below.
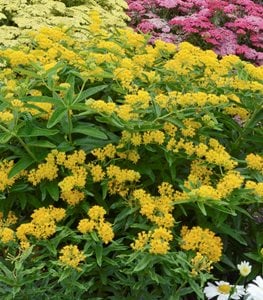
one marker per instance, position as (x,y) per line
(255,291)
(244,268)
(222,289)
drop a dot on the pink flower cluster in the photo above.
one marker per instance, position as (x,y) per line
(227,27)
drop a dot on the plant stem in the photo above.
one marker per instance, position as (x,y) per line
(69,125)
(20,141)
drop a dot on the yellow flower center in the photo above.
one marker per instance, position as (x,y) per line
(224,288)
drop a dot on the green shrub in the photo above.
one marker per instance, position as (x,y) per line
(18,17)
(128,171)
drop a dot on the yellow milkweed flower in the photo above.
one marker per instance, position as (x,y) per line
(105,231)
(141,100)
(154,136)
(5,168)
(86,225)
(10,219)
(157,209)
(43,224)
(109,151)
(207,191)
(141,241)
(97,172)
(47,170)
(159,242)
(136,139)
(7,235)
(120,179)
(6,116)
(96,213)
(71,256)
(97,222)
(232,180)
(203,241)
(218,155)
(156,240)
(255,162)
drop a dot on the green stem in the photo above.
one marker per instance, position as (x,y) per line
(26,148)
(80,92)
(69,125)
(20,141)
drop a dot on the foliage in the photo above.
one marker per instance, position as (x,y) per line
(128,171)
(227,27)
(15,16)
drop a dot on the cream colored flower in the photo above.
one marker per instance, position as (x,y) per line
(244,268)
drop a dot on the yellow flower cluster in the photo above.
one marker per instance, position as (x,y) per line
(256,187)
(109,151)
(131,155)
(42,226)
(120,179)
(70,184)
(102,106)
(97,222)
(153,136)
(156,240)
(96,171)
(5,168)
(47,170)
(238,112)
(71,256)
(217,155)
(7,234)
(6,116)
(199,99)
(157,209)
(200,173)
(199,183)
(232,180)
(139,101)
(145,138)
(202,241)
(190,127)
(255,162)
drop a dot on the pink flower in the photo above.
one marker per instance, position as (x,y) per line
(145,26)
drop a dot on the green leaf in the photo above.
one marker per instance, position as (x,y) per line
(42,144)
(5,137)
(42,99)
(53,190)
(98,252)
(202,208)
(56,116)
(143,263)
(21,165)
(89,92)
(125,213)
(32,130)
(90,131)
(70,92)
(256,118)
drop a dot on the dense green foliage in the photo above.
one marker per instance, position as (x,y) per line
(128,171)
